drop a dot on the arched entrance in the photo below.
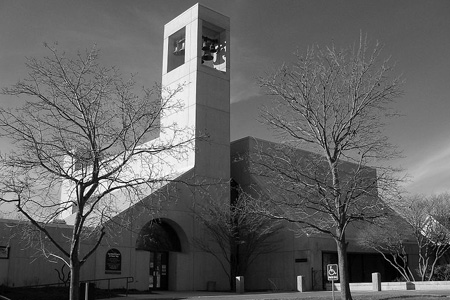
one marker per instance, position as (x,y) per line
(159,238)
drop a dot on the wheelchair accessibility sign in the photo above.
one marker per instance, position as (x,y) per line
(332,272)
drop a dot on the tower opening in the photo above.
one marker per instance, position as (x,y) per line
(177,49)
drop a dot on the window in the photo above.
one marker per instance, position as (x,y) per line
(4,252)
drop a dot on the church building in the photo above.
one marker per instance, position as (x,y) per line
(158,251)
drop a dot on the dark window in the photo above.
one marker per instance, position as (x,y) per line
(4,252)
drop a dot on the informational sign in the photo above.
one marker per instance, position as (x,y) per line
(113,262)
(332,272)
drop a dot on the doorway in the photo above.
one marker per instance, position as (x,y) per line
(159,238)
(159,266)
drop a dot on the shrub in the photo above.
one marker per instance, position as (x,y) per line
(442,272)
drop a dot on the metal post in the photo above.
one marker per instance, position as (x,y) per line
(86,291)
(332,288)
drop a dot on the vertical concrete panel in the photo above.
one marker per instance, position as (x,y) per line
(4,268)
(142,270)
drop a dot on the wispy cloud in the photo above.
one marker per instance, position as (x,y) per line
(429,173)
(251,64)
(243,88)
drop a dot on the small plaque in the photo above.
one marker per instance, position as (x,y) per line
(113,262)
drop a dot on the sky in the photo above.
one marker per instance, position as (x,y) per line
(264,34)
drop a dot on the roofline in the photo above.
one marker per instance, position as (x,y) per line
(252,138)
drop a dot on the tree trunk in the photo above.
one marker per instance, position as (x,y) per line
(234,260)
(74,293)
(343,268)
(233,269)
(233,281)
(75,266)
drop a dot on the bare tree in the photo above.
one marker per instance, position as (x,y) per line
(84,131)
(235,235)
(426,220)
(390,237)
(335,103)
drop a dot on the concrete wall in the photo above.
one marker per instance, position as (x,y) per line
(300,254)
(27,263)
(397,286)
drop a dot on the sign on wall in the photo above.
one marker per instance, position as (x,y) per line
(113,262)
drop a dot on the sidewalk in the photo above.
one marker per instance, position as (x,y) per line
(267,296)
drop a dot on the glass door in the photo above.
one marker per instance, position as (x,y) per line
(159,279)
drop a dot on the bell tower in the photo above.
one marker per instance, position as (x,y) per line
(197,57)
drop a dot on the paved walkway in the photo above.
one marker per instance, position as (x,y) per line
(264,296)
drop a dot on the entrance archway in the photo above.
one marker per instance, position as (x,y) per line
(159,238)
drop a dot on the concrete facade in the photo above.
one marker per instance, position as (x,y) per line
(205,97)
(299,254)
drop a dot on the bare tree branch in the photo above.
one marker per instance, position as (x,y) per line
(87,142)
(427,223)
(234,234)
(335,102)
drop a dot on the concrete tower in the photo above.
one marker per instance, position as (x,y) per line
(197,56)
